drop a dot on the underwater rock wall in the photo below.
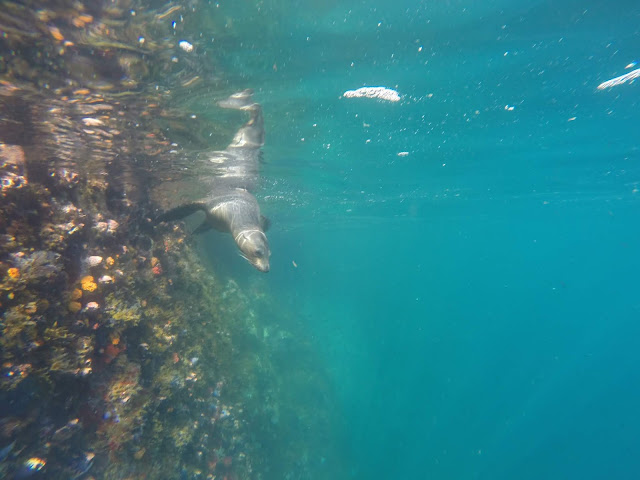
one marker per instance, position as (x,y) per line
(113,348)
(120,355)
(114,355)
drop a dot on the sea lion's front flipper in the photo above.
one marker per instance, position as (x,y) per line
(265,223)
(204,227)
(181,212)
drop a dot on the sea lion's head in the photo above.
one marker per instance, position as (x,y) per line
(254,246)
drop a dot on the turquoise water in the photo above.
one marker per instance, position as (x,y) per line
(475,302)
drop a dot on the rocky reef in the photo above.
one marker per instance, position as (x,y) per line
(121,356)
(113,346)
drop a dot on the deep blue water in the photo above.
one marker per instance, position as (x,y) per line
(476,301)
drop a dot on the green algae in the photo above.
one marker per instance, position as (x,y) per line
(121,313)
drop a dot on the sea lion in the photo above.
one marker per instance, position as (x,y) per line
(230,206)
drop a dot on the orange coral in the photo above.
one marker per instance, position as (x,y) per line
(31,308)
(13,273)
(74,307)
(110,353)
(81,20)
(88,283)
(55,33)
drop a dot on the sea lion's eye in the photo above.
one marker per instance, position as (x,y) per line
(258,252)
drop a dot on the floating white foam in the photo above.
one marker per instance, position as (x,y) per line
(620,80)
(382,93)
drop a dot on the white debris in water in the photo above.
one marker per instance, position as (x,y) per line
(403,154)
(620,80)
(186,46)
(382,93)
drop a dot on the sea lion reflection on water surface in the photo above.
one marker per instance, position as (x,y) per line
(230,206)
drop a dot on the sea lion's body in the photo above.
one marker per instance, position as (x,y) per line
(230,206)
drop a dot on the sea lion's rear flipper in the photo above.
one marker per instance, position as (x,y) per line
(265,223)
(238,101)
(181,212)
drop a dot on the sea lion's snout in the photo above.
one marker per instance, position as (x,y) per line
(255,248)
(263,266)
